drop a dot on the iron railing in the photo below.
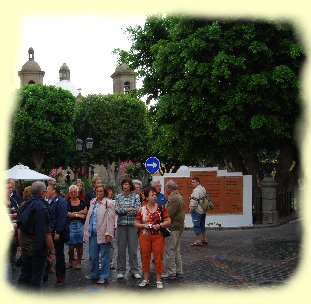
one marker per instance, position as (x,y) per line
(257,209)
(285,203)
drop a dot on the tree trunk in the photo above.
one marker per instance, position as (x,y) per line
(287,172)
(247,164)
(144,177)
(114,174)
(237,162)
(37,158)
(111,173)
(251,163)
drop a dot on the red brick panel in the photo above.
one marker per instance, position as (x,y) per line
(233,186)
(226,192)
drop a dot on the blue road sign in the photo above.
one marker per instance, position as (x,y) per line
(152,165)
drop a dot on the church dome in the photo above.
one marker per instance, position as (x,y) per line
(67,85)
(122,68)
(31,65)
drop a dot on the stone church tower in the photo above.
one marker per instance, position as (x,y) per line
(31,72)
(64,72)
(124,79)
(64,80)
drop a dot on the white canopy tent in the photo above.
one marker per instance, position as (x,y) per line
(22,172)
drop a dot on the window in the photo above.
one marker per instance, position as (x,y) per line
(126,87)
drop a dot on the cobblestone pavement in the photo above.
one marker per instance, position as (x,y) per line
(233,259)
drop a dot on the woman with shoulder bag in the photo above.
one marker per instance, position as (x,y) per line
(99,232)
(151,240)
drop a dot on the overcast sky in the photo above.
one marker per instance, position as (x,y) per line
(85,43)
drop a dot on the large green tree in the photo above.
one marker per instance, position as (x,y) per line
(119,126)
(42,133)
(226,91)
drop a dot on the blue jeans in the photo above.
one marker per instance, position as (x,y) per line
(198,222)
(75,232)
(104,251)
(32,270)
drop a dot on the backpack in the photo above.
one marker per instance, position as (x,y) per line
(206,203)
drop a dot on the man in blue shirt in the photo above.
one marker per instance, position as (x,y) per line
(60,230)
(161,200)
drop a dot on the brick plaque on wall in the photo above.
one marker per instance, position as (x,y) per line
(226,192)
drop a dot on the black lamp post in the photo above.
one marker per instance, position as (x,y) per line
(82,149)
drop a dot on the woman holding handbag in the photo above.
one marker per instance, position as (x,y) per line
(151,240)
(98,232)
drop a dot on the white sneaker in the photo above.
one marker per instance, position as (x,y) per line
(159,285)
(120,276)
(143,283)
(137,276)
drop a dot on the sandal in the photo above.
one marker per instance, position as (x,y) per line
(68,266)
(159,284)
(112,266)
(143,283)
(204,242)
(196,244)
(103,281)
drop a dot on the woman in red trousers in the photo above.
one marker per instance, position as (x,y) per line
(149,222)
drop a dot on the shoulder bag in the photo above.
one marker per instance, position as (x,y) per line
(206,203)
(165,231)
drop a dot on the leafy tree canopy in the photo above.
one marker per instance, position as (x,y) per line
(118,124)
(42,127)
(225,89)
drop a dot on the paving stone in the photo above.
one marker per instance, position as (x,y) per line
(264,257)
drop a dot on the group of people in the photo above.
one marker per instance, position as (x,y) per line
(46,221)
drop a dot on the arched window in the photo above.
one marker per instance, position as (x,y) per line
(126,87)
(31,82)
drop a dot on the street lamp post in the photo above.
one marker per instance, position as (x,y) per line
(82,149)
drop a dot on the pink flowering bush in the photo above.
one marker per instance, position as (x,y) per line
(57,173)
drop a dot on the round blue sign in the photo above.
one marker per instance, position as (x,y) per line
(152,165)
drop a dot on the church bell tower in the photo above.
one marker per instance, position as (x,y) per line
(31,72)
(124,79)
